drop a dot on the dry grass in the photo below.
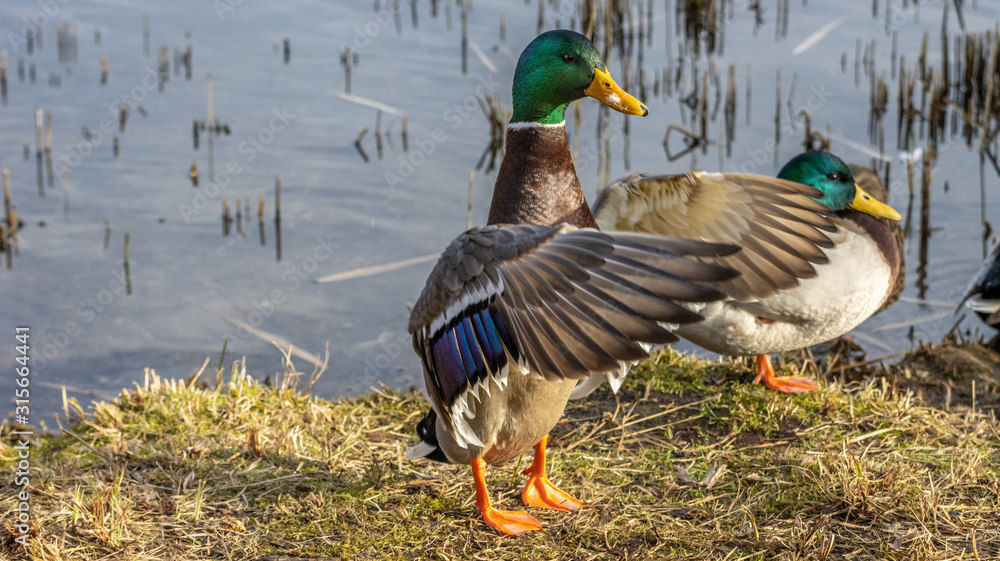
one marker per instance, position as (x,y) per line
(690,462)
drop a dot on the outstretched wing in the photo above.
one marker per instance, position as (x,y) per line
(550,301)
(779,226)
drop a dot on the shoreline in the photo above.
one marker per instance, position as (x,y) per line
(689,461)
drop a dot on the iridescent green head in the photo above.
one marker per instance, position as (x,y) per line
(558,68)
(830,174)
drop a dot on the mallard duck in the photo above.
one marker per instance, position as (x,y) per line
(777,304)
(983,293)
(552,304)
(512,317)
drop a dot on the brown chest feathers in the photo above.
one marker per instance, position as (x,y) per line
(537,181)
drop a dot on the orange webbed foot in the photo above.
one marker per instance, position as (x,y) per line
(784,384)
(510,522)
(541,493)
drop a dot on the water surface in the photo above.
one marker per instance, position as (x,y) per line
(192,287)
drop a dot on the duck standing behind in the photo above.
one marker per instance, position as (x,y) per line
(790,295)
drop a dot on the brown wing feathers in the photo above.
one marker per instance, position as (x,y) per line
(559,302)
(781,229)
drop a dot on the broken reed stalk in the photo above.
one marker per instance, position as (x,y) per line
(128,274)
(909,205)
(3,76)
(990,71)
(397,14)
(925,224)
(39,121)
(277,199)
(239,217)
(8,208)
(8,235)
(225,218)
(48,146)
(405,124)
(277,216)
(346,59)
(65,185)
(465,40)
(357,144)
(260,217)
(107,233)
(222,362)
(378,133)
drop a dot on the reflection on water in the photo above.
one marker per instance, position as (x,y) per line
(365,139)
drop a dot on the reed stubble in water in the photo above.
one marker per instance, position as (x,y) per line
(3,76)
(226,218)
(357,144)
(465,41)
(48,147)
(128,271)
(260,218)
(345,59)
(39,121)
(277,217)
(239,217)
(8,235)
(65,186)
(378,133)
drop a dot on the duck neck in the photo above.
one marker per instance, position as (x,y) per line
(537,181)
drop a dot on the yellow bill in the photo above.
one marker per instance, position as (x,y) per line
(863,202)
(605,90)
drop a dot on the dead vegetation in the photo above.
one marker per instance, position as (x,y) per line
(688,462)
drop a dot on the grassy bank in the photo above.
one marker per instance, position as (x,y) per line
(689,462)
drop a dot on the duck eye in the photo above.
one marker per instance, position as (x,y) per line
(834,176)
(568,58)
